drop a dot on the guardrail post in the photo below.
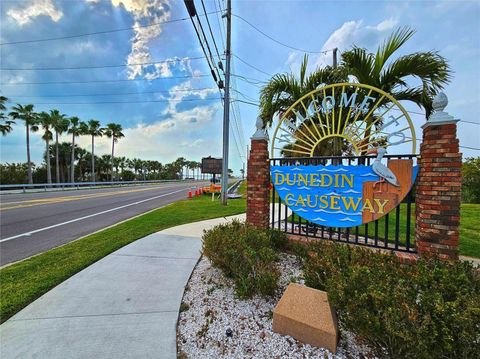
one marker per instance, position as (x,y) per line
(439,185)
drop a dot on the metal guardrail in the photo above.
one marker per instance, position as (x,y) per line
(78,185)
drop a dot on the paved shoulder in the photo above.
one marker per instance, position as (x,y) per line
(124,306)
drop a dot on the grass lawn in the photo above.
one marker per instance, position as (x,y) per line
(21,283)
(469,228)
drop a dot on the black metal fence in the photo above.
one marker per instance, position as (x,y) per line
(394,231)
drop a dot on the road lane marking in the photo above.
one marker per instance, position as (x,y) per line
(44,201)
(89,216)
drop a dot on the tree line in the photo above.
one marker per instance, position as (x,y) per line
(71,163)
(125,169)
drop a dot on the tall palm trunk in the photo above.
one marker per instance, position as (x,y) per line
(57,161)
(49,168)
(113,146)
(93,160)
(29,163)
(72,166)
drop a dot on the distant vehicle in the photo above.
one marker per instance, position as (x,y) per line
(214,180)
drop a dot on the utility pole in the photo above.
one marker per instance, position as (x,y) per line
(226,106)
(335,57)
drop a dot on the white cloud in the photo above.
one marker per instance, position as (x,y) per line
(355,33)
(165,140)
(191,133)
(351,33)
(36,8)
(145,12)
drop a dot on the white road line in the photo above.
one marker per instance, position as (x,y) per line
(89,216)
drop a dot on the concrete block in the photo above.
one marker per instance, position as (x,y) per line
(305,314)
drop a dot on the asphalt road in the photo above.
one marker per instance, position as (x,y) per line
(31,223)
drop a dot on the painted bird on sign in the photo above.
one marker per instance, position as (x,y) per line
(381,170)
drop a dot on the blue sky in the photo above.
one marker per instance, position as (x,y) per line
(186,117)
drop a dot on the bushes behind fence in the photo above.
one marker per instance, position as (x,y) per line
(427,310)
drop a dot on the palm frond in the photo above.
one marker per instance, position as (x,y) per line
(390,45)
(303,69)
(426,66)
(359,64)
(277,94)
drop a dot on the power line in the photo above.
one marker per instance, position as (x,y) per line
(98,32)
(211,63)
(470,148)
(118,102)
(472,122)
(253,67)
(277,41)
(248,98)
(247,102)
(210,28)
(237,118)
(218,22)
(250,80)
(101,81)
(100,66)
(111,94)
(422,114)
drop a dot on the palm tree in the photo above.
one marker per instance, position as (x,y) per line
(122,164)
(114,131)
(75,130)
(283,90)
(60,124)
(92,128)
(105,165)
(81,156)
(46,122)
(372,69)
(26,114)
(7,126)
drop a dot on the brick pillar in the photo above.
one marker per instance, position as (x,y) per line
(439,183)
(258,181)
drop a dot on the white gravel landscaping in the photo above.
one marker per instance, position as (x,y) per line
(210,308)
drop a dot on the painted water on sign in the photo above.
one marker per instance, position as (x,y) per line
(330,195)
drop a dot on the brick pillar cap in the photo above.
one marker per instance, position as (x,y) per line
(261,133)
(440,117)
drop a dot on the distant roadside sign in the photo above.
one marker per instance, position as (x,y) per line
(212,165)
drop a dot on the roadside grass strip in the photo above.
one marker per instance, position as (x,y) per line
(23,282)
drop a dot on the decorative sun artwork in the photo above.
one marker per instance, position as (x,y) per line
(343,119)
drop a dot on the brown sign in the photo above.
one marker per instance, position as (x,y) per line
(212,165)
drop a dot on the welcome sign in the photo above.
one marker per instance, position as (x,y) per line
(333,195)
(355,118)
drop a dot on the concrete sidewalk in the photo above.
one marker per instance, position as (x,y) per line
(124,306)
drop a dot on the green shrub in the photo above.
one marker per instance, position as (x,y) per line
(427,310)
(245,254)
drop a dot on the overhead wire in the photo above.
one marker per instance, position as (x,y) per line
(236,132)
(217,16)
(109,94)
(277,41)
(252,66)
(99,66)
(98,32)
(249,79)
(237,117)
(101,81)
(120,102)
(210,29)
